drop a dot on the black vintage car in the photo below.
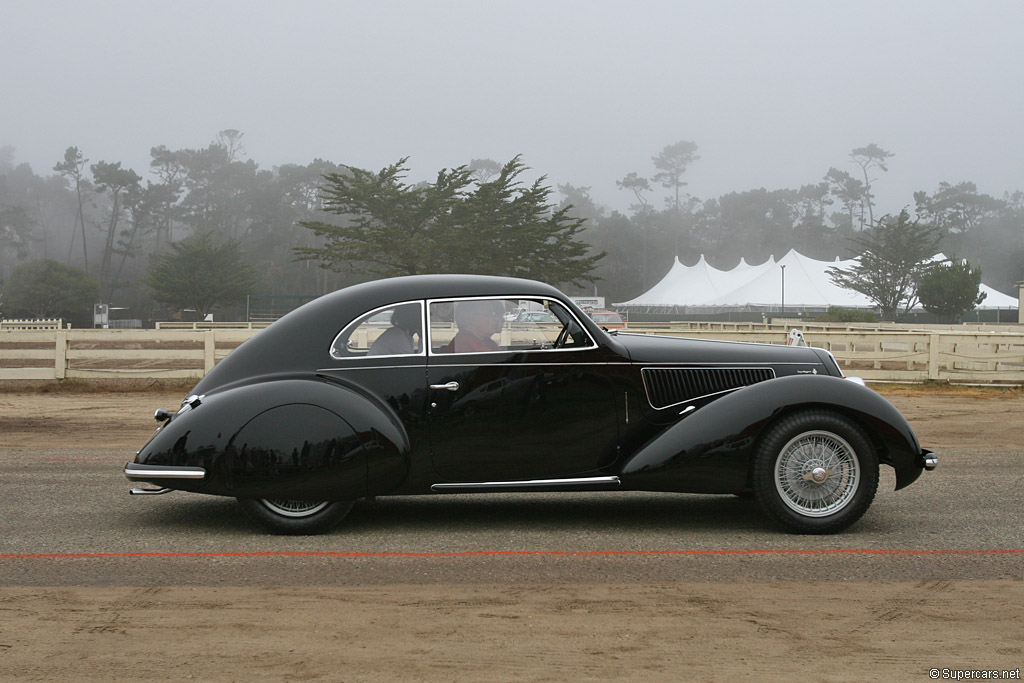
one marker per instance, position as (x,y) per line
(439,384)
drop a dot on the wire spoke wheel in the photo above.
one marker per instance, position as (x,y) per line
(817,473)
(295,517)
(294,508)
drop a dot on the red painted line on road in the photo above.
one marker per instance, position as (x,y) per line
(512,553)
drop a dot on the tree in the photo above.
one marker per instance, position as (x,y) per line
(47,288)
(71,168)
(637,185)
(867,158)
(198,273)
(231,140)
(6,158)
(15,230)
(811,231)
(484,169)
(219,190)
(850,192)
(119,183)
(672,163)
(755,222)
(453,225)
(642,219)
(895,256)
(581,204)
(957,210)
(951,289)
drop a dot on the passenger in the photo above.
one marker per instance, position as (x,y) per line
(398,340)
(478,321)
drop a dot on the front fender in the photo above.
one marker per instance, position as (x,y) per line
(711,448)
(297,438)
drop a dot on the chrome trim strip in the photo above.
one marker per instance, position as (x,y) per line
(662,365)
(510,365)
(527,483)
(712,339)
(136,471)
(469,365)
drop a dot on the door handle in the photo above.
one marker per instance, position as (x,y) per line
(451,386)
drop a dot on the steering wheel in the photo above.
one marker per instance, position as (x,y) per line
(563,336)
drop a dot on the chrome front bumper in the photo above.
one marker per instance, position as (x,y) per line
(929,460)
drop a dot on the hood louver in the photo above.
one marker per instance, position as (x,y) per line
(671,386)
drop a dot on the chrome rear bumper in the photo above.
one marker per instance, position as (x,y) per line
(136,472)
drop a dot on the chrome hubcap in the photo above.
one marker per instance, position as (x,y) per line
(817,473)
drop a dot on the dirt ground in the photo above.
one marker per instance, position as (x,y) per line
(822,631)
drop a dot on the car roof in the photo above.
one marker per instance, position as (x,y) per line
(302,338)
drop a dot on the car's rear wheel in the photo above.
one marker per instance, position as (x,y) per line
(815,472)
(295,517)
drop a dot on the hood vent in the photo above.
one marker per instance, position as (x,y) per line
(671,386)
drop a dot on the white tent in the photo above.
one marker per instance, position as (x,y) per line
(702,288)
(807,285)
(996,299)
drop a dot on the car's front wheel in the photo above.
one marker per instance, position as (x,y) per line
(295,517)
(816,472)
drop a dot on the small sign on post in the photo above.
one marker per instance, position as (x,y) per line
(796,338)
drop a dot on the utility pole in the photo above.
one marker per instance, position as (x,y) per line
(783,291)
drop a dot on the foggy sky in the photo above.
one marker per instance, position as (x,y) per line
(773,93)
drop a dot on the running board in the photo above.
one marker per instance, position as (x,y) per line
(582,482)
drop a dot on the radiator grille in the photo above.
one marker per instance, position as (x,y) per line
(670,386)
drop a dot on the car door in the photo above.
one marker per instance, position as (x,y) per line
(529,397)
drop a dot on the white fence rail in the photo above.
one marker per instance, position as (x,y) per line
(92,354)
(895,354)
(955,354)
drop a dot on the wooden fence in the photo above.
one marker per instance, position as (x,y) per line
(92,354)
(966,354)
(897,354)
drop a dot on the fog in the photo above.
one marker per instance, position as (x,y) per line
(773,94)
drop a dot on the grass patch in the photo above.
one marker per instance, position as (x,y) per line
(946,389)
(97,386)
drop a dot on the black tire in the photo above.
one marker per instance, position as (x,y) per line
(815,472)
(293,517)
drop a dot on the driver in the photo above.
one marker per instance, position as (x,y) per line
(477,321)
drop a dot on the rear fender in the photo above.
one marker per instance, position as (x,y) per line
(302,438)
(711,448)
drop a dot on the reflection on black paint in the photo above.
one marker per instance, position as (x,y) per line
(312,456)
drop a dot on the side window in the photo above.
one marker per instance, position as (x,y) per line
(489,325)
(395,330)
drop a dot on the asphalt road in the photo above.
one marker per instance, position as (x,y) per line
(68,520)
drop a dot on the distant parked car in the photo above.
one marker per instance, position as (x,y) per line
(543,316)
(609,320)
(304,418)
